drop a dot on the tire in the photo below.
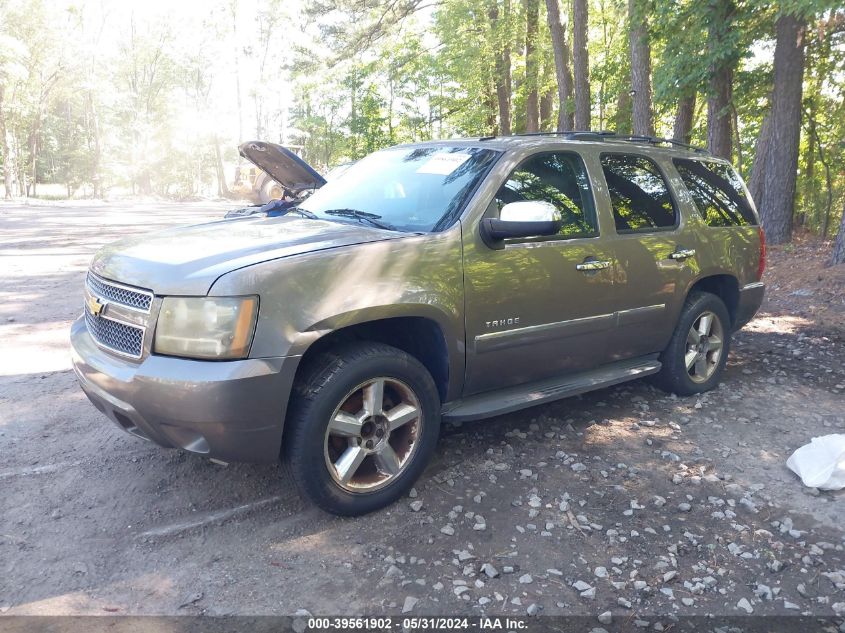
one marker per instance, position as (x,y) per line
(342,386)
(708,361)
(270,190)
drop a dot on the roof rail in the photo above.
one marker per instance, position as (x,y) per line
(602,135)
(658,140)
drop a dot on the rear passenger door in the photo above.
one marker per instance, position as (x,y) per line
(654,251)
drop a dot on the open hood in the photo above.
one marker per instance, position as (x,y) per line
(285,167)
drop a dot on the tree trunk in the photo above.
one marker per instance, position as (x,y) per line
(719,133)
(532,105)
(780,173)
(809,167)
(581,64)
(643,118)
(720,80)
(503,68)
(564,78)
(96,180)
(32,154)
(20,164)
(829,188)
(547,107)
(8,163)
(222,187)
(490,102)
(839,244)
(737,140)
(622,120)
(684,115)
(758,168)
(233,7)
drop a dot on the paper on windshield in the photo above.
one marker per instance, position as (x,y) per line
(443,163)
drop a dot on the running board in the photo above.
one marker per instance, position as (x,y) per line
(511,399)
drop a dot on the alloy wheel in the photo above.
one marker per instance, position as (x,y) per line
(705,341)
(373,434)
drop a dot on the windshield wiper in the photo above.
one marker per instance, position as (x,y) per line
(303,212)
(372,218)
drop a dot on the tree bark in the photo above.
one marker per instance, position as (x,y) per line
(490,102)
(532,105)
(564,78)
(643,118)
(622,120)
(8,162)
(581,63)
(838,256)
(737,140)
(779,176)
(684,115)
(719,132)
(547,106)
(503,68)
(761,151)
(719,139)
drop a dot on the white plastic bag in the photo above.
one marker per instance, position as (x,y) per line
(821,463)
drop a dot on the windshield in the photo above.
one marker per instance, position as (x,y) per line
(406,189)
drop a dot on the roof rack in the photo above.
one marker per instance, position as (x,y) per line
(658,140)
(603,135)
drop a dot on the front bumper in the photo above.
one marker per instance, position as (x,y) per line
(750,300)
(228,410)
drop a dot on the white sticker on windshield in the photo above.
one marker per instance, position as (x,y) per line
(443,163)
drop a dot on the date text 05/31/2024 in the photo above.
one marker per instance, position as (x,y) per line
(416,624)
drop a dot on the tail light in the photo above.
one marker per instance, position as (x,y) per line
(761,266)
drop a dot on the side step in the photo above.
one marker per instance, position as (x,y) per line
(502,401)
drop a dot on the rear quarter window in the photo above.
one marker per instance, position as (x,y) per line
(717,191)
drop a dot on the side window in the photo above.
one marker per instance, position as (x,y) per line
(558,178)
(717,191)
(639,194)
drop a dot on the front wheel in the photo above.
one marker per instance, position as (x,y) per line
(362,425)
(696,355)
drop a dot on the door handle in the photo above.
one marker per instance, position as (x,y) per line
(593,264)
(682,254)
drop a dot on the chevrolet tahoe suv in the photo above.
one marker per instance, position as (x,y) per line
(449,280)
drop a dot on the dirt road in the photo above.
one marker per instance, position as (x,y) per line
(625,500)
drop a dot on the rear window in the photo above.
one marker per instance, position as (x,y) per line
(717,191)
(639,194)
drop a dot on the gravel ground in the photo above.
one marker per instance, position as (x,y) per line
(624,504)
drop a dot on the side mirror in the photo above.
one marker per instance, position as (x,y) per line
(529,218)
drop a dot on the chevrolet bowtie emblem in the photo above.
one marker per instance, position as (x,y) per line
(96,307)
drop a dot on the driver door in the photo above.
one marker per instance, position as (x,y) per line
(541,306)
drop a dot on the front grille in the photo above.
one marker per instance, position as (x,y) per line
(116,336)
(136,299)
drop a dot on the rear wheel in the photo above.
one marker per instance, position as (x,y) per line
(696,355)
(362,426)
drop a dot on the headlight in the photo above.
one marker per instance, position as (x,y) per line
(206,327)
